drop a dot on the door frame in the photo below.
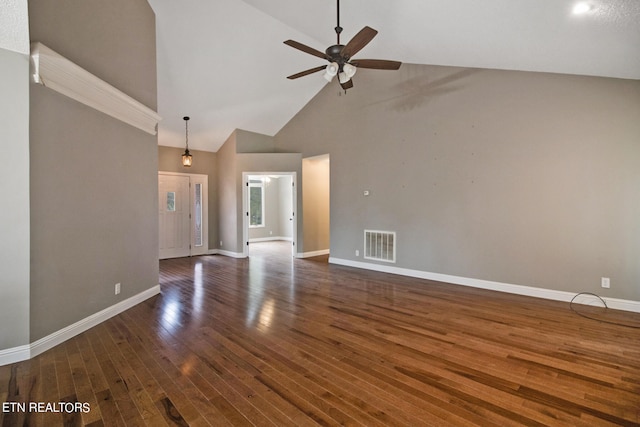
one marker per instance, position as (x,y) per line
(195,178)
(245,209)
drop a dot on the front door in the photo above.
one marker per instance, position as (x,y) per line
(173,210)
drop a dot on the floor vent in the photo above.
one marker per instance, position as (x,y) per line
(380,245)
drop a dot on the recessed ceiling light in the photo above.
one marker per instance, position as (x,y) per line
(581,8)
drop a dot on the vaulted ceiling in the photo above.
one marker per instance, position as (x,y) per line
(224,64)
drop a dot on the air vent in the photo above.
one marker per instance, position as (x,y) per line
(380,245)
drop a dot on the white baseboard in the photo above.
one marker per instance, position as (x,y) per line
(14,354)
(229,253)
(18,354)
(270,239)
(551,294)
(312,253)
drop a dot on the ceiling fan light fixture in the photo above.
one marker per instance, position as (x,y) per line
(343,77)
(349,70)
(331,71)
(339,56)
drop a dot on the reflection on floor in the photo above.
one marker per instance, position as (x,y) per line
(275,341)
(278,250)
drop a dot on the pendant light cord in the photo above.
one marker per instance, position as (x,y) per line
(338,27)
(186,131)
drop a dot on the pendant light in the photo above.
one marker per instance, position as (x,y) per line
(187,158)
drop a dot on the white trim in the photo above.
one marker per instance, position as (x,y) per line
(261,186)
(202,175)
(245,209)
(270,239)
(222,252)
(18,354)
(367,246)
(312,253)
(551,294)
(196,178)
(230,254)
(58,73)
(14,355)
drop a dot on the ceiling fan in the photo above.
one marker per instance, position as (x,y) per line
(340,57)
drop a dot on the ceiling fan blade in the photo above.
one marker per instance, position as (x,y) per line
(347,85)
(376,64)
(306,49)
(358,41)
(307,72)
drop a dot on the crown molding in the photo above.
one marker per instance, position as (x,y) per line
(56,72)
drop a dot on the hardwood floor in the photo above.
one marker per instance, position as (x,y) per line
(275,341)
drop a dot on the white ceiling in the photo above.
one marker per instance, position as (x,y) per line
(14,26)
(223,63)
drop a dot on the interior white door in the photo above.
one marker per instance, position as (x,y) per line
(293,221)
(174,221)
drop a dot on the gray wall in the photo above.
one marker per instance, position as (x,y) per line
(232,163)
(251,142)
(93,178)
(228,211)
(14,187)
(205,163)
(515,177)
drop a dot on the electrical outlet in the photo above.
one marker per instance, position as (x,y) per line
(606,282)
(220,243)
(357,252)
(117,288)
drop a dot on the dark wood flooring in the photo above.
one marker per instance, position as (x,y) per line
(272,341)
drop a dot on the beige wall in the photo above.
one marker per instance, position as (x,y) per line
(93,178)
(316,202)
(205,163)
(515,177)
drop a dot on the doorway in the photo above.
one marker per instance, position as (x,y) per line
(269,209)
(316,189)
(182,214)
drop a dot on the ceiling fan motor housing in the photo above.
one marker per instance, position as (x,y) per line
(334,53)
